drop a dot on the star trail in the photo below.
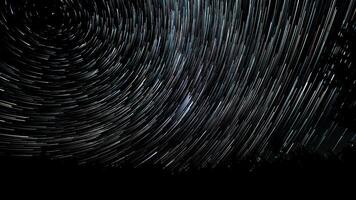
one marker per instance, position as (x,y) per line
(176,83)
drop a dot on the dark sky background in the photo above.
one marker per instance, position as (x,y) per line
(177,85)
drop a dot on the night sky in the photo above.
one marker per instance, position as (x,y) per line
(177,85)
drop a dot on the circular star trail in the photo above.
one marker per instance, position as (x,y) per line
(174,83)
